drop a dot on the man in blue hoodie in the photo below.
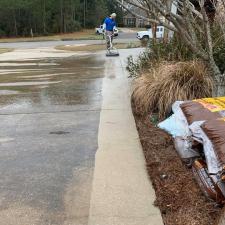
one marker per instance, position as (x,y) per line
(109,26)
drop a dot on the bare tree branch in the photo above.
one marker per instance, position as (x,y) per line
(156,21)
(192,25)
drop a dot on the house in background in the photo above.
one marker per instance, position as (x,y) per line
(129,20)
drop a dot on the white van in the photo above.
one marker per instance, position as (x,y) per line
(145,35)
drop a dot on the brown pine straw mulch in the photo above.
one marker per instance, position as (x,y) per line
(178,196)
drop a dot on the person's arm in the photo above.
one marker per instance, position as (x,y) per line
(104,24)
(114,27)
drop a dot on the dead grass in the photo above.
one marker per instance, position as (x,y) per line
(97,47)
(4,50)
(157,90)
(88,34)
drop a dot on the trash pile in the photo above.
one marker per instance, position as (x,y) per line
(198,129)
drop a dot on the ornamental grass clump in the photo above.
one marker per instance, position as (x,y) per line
(166,83)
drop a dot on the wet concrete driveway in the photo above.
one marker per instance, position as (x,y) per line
(49,117)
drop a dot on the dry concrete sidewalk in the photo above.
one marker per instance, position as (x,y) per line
(122,193)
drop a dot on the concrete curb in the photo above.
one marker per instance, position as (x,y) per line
(122,193)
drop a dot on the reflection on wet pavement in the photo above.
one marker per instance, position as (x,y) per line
(49,116)
(31,83)
(43,85)
(26,64)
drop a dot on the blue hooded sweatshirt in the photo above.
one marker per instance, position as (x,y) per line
(109,24)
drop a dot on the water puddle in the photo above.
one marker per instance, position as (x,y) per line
(45,75)
(59,132)
(5,140)
(28,83)
(8,92)
(27,64)
(40,85)
(18,105)
(19,70)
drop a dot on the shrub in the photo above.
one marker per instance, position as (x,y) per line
(170,82)
(158,51)
(135,67)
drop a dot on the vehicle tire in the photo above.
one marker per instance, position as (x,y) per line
(145,38)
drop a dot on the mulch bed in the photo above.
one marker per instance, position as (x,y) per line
(178,196)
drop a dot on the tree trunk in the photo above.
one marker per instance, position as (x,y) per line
(44,16)
(166,31)
(85,13)
(219,86)
(219,80)
(154,27)
(61,16)
(15,24)
(31,33)
(220,91)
